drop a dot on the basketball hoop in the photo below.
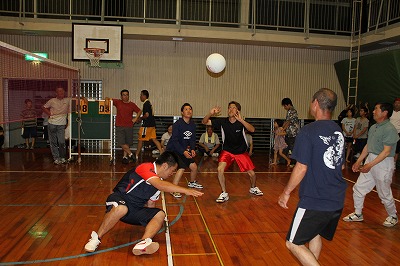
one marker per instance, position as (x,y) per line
(94,55)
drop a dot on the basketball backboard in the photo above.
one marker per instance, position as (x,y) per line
(107,37)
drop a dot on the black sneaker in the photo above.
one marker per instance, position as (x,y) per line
(132,158)
(125,160)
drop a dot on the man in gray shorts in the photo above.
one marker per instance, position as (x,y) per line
(124,122)
(134,199)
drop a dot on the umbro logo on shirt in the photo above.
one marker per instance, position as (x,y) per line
(187,134)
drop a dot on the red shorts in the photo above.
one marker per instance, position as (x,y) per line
(243,160)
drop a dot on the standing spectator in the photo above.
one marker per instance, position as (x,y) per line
(183,144)
(209,143)
(395,120)
(234,146)
(165,138)
(379,166)
(124,122)
(319,152)
(360,134)
(29,124)
(348,124)
(57,109)
(279,142)
(148,129)
(291,125)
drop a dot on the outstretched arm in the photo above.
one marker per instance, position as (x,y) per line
(214,111)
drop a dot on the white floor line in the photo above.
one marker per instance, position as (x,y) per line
(167,236)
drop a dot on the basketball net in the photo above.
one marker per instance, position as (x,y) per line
(94,55)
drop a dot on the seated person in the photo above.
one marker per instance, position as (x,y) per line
(165,137)
(209,143)
(249,140)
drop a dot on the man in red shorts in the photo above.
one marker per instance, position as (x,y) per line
(234,146)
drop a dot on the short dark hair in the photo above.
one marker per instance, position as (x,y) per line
(238,106)
(184,105)
(168,157)
(145,93)
(386,107)
(124,91)
(28,100)
(287,101)
(279,122)
(364,108)
(352,111)
(326,98)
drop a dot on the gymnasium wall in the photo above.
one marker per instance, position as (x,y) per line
(378,77)
(174,72)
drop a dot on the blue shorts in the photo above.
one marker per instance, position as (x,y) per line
(136,215)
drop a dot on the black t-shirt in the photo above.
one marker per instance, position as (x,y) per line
(149,121)
(232,134)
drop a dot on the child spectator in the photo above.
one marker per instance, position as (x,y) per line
(29,124)
(348,124)
(279,142)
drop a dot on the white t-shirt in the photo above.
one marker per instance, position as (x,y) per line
(59,110)
(166,138)
(395,120)
(349,124)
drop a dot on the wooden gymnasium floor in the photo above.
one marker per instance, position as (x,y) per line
(48,212)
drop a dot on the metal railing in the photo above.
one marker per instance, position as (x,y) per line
(308,16)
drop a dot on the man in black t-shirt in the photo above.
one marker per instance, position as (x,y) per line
(234,147)
(148,129)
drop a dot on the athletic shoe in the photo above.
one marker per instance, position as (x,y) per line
(32,147)
(63,161)
(194,184)
(390,221)
(125,160)
(93,243)
(57,162)
(155,152)
(256,191)
(146,246)
(215,154)
(354,217)
(132,158)
(222,197)
(176,195)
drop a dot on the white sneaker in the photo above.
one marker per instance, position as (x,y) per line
(176,194)
(353,217)
(222,197)
(194,184)
(146,246)
(215,154)
(256,191)
(155,152)
(93,243)
(390,221)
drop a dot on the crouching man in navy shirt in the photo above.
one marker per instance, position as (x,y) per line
(133,202)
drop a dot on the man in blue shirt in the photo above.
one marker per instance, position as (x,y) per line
(319,152)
